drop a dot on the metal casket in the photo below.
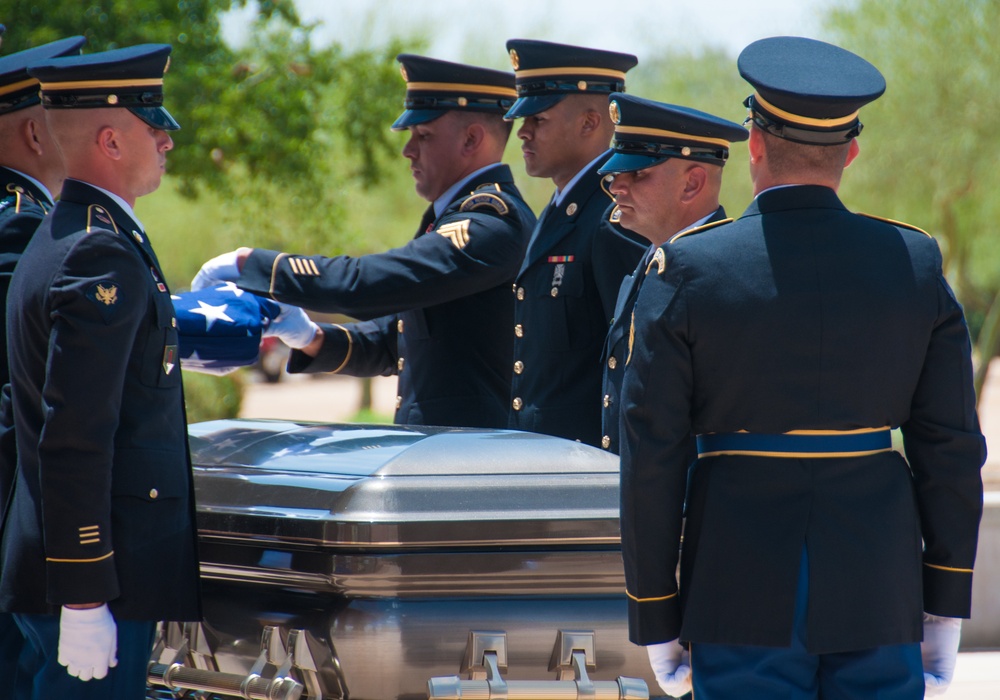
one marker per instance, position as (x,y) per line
(356,561)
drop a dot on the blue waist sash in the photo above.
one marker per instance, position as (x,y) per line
(808,444)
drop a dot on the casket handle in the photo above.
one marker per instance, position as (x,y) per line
(494,687)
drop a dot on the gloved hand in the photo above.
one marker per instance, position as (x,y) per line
(221,268)
(88,642)
(292,327)
(939,652)
(672,667)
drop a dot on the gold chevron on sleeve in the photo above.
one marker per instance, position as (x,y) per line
(457,232)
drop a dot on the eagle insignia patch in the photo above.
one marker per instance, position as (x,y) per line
(106,295)
(457,232)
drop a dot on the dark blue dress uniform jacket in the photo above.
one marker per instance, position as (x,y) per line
(436,311)
(103,507)
(799,316)
(565,299)
(616,346)
(23,205)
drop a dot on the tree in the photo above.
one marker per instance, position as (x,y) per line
(261,124)
(930,146)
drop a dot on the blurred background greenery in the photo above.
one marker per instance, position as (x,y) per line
(286,145)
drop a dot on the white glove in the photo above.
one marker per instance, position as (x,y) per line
(939,651)
(672,667)
(221,268)
(88,642)
(292,327)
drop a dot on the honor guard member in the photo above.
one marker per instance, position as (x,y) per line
(436,311)
(815,557)
(567,286)
(99,540)
(667,165)
(31,169)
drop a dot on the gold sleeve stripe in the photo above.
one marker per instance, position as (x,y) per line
(81,561)
(312,266)
(90,527)
(95,540)
(274,272)
(948,568)
(350,348)
(805,121)
(650,600)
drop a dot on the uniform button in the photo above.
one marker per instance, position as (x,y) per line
(400,363)
(399,325)
(607,401)
(153,493)
(605,442)
(519,330)
(399,402)
(612,362)
(555,291)
(173,323)
(520,293)
(518,367)
(517,403)
(513,288)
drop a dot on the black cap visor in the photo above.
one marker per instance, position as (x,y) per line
(156,117)
(532,105)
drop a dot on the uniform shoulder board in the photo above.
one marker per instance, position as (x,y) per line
(616,215)
(895,223)
(98,217)
(698,229)
(485,197)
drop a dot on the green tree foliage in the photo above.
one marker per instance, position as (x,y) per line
(273,131)
(930,145)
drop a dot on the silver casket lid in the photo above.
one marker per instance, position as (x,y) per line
(365,495)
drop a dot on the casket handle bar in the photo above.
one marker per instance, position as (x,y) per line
(573,654)
(301,658)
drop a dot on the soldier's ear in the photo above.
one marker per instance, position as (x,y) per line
(852,152)
(108,140)
(475,135)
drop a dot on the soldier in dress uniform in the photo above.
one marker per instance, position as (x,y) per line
(31,169)
(667,165)
(791,341)
(436,311)
(99,539)
(567,285)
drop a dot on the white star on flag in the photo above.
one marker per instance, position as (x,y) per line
(230,286)
(212,313)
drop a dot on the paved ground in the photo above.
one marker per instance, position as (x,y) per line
(332,398)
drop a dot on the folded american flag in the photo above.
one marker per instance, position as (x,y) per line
(220,327)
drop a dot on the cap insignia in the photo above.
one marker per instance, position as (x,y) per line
(515,61)
(402,72)
(616,115)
